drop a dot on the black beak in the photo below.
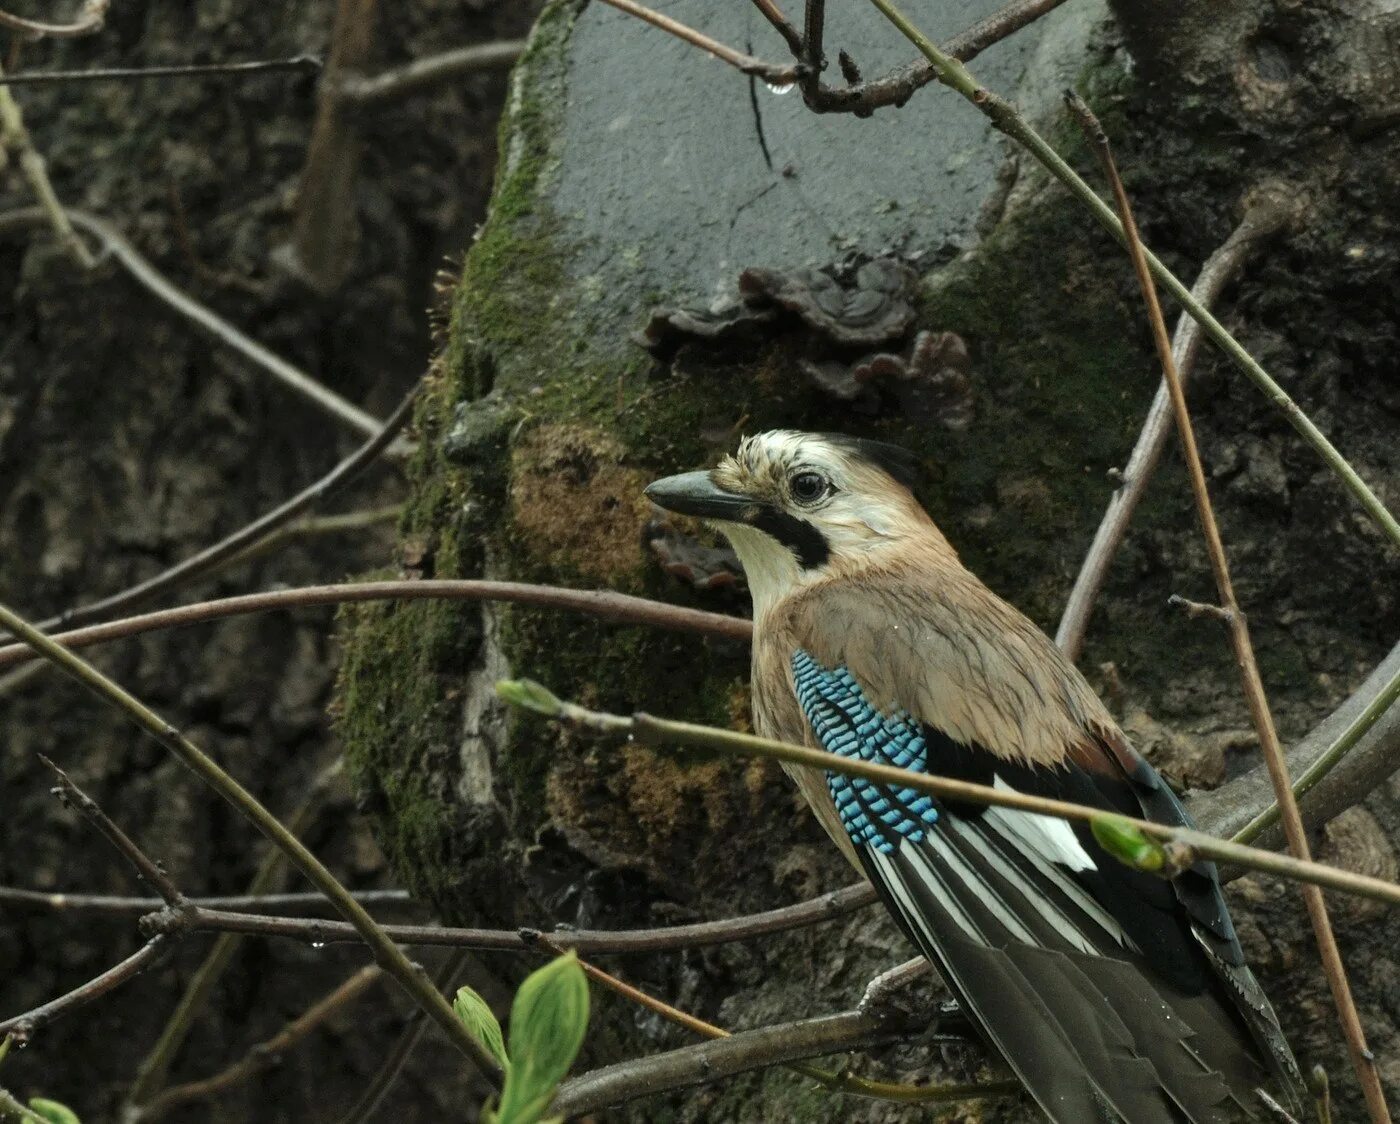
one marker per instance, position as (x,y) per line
(694,493)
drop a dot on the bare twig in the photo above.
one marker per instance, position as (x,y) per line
(266,1054)
(372,90)
(14,136)
(1197,609)
(114,906)
(86,22)
(725,1057)
(403,1047)
(617,607)
(1330,758)
(897,87)
(784,26)
(212,558)
(150,872)
(668,733)
(389,956)
(1362,1058)
(304,64)
(151,1073)
(314,931)
(836,1082)
(22,1027)
(295,379)
(773,73)
(326,226)
(1264,216)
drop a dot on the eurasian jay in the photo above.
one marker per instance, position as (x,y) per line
(1114,995)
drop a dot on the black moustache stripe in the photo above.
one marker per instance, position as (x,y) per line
(807,544)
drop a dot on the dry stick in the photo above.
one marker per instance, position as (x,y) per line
(211,558)
(306,64)
(291,376)
(1264,217)
(1006,119)
(315,931)
(388,955)
(116,906)
(88,20)
(618,607)
(265,1055)
(148,871)
(1297,836)
(836,1082)
(1328,760)
(151,1073)
(621,608)
(770,72)
(1191,843)
(725,1057)
(326,227)
(15,137)
(403,1047)
(373,90)
(22,1027)
(897,87)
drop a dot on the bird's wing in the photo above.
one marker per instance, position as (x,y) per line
(1089,977)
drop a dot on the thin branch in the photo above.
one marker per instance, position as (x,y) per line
(1265,216)
(14,136)
(326,228)
(212,558)
(373,90)
(23,1027)
(1330,758)
(315,931)
(782,25)
(833,1081)
(1362,1058)
(403,1047)
(726,1057)
(291,376)
(619,608)
(772,73)
(265,1055)
(154,1067)
(147,870)
(88,20)
(1006,119)
(387,954)
(114,906)
(304,64)
(894,89)
(647,729)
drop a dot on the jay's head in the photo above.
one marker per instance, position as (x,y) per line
(798,506)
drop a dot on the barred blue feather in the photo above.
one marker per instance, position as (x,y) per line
(873,815)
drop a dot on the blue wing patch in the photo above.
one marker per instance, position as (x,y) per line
(873,815)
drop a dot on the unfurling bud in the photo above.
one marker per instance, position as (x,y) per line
(481,1024)
(529,695)
(547,1024)
(1127,843)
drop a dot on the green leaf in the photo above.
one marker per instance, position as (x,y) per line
(1125,841)
(529,695)
(548,1022)
(53,1111)
(481,1024)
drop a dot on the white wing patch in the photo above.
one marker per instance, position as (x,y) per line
(1048,836)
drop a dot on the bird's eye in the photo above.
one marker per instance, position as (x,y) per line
(808,487)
